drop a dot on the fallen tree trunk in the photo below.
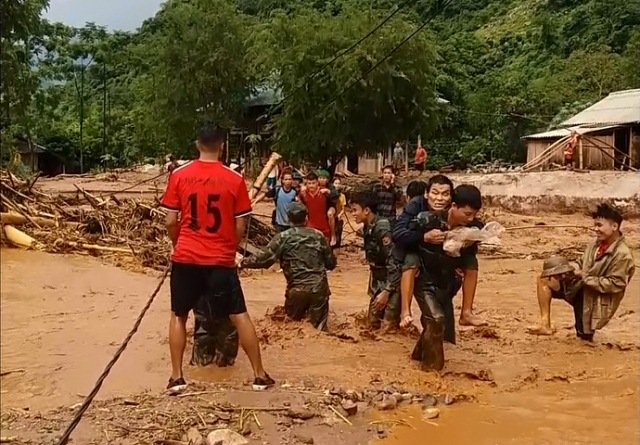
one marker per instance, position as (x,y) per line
(16,219)
(18,238)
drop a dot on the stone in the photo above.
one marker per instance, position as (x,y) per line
(389,389)
(285,421)
(430,413)
(428,401)
(300,413)
(128,402)
(382,433)
(397,396)
(387,403)
(246,429)
(225,437)
(447,399)
(350,407)
(407,396)
(194,437)
(303,439)
(352,395)
(336,392)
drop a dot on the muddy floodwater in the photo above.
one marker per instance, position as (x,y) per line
(64,316)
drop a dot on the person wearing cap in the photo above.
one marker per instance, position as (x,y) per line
(595,285)
(305,256)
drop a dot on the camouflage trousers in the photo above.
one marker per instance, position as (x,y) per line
(391,313)
(300,303)
(435,299)
(215,340)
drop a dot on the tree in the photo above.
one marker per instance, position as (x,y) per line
(345,108)
(21,23)
(195,69)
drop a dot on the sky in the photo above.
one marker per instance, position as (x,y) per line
(125,15)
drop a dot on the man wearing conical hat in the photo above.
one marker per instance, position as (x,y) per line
(595,285)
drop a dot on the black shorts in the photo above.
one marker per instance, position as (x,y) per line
(219,285)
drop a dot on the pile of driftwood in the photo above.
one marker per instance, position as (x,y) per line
(129,228)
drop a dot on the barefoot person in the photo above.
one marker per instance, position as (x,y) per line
(410,262)
(441,275)
(598,283)
(208,208)
(384,305)
(305,256)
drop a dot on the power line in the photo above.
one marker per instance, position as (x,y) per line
(340,54)
(388,55)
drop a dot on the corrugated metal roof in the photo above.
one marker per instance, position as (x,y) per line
(621,107)
(561,132)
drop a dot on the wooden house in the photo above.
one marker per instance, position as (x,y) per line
(608,136)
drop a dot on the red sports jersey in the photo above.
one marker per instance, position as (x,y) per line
(317,207)
(209,197)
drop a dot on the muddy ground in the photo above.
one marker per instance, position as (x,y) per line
(64,316)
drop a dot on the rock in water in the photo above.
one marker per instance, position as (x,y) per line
(428,401)
(387,403)
(430,413)
(350,407)
(194,437)
(300,413)
(225,437)
(303,439)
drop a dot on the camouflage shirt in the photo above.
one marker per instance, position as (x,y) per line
(304,255)
(377,248)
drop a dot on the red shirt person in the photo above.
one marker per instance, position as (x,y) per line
(208,207)
(420,158)
(317,202)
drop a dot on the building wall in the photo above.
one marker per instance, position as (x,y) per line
(594,158)
(367,164)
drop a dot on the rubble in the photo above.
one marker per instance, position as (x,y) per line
(130,230)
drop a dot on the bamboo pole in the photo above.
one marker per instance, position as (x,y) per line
(262,177)
(581,155)
(545,155)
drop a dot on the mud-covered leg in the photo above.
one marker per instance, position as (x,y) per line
(295,305)
(204,351)
(225,342)
(391,319)
(374,316)
(429,349)
(319,311)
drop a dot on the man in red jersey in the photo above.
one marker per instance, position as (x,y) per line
(208,208)
(318,202)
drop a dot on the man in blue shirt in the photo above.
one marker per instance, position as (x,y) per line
(282,196)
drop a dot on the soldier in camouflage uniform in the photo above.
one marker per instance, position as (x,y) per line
(384,279)
(305,256)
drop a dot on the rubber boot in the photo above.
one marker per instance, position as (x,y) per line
(429,349)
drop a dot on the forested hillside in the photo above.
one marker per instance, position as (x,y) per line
(507,67)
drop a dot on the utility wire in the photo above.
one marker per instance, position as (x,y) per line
(387,56)
(338,55)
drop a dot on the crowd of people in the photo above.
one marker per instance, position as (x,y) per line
(404,251)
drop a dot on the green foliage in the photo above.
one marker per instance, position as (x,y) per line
(21,26)
(507,67)
(322,118)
